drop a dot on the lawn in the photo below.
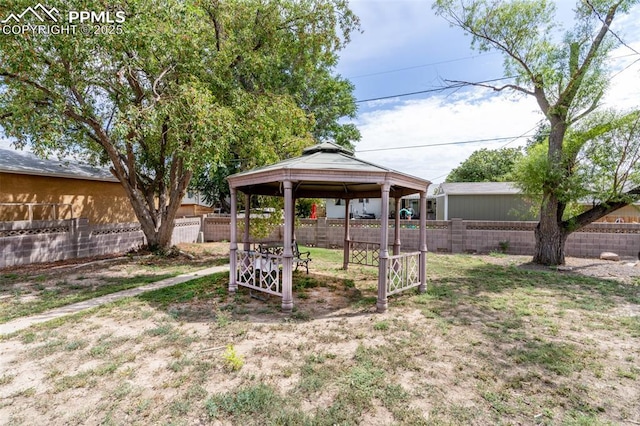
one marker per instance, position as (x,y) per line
(486,344)
(36,289)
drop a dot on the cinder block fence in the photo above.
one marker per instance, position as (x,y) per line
(457,235)
(25,242)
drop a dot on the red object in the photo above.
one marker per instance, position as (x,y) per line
(314,214)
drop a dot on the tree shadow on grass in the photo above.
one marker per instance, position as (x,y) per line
(522,312)
(206,299)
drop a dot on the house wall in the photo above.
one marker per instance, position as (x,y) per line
(627,214)
(97,201)
(440,201)
(457,236)
(26,242)
(193,210)
(489,207)
(372,205)
(356,207)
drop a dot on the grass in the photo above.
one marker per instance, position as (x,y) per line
(486,344)
(204,288)
(51,299)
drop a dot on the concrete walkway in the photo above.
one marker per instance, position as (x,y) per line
(25,322)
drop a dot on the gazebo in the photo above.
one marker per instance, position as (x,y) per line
(326,170)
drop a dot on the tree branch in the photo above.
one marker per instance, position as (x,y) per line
(600,210)
(495,88)
(25,80)
(592,107)
(610,30)
(566,97)
(160,77)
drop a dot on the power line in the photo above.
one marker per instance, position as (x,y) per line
(448,61)
(449,143)
(462,84)
(439,89)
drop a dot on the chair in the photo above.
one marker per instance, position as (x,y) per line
(301,258)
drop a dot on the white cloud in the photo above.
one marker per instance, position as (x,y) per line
(624,89)
(5,143)
(476,114)
(466,116)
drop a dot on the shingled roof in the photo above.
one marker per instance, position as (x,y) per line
(327,170)
(478,188)
(26,163)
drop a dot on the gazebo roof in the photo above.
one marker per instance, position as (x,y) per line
(327,170)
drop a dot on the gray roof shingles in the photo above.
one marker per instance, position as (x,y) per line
(20,162)
(479,188)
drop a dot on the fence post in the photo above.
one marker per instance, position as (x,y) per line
(321,233)
(457,235)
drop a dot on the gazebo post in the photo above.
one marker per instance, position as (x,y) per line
(396,240)
(382,302)
(347,235)
(287,256)
(423,242)
(293,221)
(233,245)
(247,222)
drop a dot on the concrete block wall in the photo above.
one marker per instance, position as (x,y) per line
(485,237)
(186,230)
(23,242)
(27,242)
(458,236)
(216,228)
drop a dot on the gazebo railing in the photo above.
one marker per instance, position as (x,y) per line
(259,271)
(403,272)
(364,253)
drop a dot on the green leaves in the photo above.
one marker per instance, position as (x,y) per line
(181,87)
(487,165)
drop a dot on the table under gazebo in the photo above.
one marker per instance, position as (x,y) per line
(326,170)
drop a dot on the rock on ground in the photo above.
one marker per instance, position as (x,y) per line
(607,255)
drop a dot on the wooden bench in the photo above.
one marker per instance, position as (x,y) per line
(299,258)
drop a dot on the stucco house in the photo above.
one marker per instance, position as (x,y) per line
(32,188)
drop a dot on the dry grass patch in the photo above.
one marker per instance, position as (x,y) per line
(486,344)
(39,287)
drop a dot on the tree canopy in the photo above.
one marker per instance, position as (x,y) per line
(567,75)
(486,165)
(183,86)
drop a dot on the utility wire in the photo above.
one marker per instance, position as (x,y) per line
(439,89)
(450,143)
(447,61)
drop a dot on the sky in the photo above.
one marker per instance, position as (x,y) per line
(404,47)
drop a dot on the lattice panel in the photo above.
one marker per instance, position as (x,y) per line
(403,272)
(375,255)
(20,232)
(362,253)
(109,231)
(244,266)
(261,272)
(359,253)
(182,224)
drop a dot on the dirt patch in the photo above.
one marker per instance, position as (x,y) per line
(626,270)
(492,341)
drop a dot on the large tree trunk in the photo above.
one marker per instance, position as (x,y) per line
(550,233)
